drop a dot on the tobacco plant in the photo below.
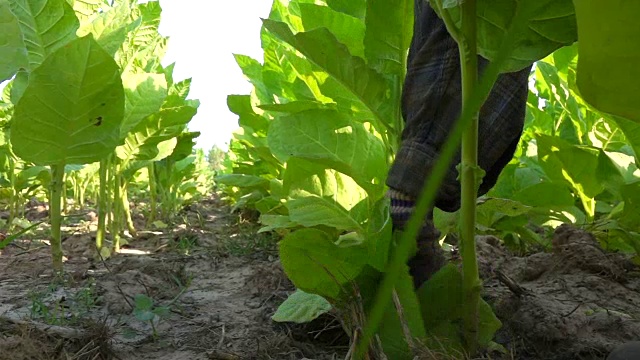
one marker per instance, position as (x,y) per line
(86,85)
(321,126)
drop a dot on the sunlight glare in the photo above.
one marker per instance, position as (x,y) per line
(203,36)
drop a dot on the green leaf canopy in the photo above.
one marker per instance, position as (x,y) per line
(72,108)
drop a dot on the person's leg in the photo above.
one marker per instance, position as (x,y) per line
(431,103)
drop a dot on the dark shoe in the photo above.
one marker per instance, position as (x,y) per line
(626,351)
(429,257)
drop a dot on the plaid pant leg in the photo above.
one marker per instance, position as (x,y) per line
(431,103)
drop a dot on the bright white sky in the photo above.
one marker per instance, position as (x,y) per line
(204,35)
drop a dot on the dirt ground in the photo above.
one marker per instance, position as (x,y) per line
(577,302)
(211,284)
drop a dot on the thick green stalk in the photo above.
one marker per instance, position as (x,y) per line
(55,203)
(102,203)
(168,191)
(117,210)
(76,190)
(469,178)
(81,194)
(127,210)
(13,211)
(110,189)
(163,193)
(152,193)
(64,210)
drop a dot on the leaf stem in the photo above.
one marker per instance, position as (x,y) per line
(102,202)
(116,224)
(13,209)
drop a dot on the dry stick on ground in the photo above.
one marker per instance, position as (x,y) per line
(86,350)
(215,355)
(512,284)
(376,345)
(28,250)
(221,342)
(328,326)
(354,322)
(60,331)
(13,243)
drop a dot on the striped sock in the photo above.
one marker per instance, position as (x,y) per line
(402,206)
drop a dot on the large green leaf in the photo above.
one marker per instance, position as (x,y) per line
(143,47)
(631,213)
(609,174)
(545,194)
(551,24)
(608,55)
(303,178)
(330,138)
(241,105)
(72,108)
(46,26)
(355,8)
(181,89)
(147,142)
(150,12)
(391,331)
(18,85)
(243,180)
(322,48)
(252,70)
(493,210)
(347,29)
(26,178)
(154,138)
(316,265)
(297,106)
(388,35)
(379,233)
(273,222)
(575,164)
(389,29)
(110,28)
(168,73)
(589,171)
(314,210)
(284,81)
(441,298)
(631,130)
(87,9)
(12,47)
(177,112)
(301,307)
(144,95)
(442,301)
(184,147)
